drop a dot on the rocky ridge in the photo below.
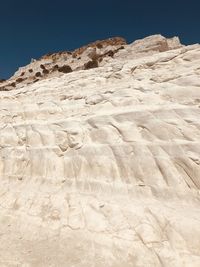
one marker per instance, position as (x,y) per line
(52,64)
(90,56)
(101,167)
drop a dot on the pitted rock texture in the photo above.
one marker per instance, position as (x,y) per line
(53,64)
(101,167)
(87,57)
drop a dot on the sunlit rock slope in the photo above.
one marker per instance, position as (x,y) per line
(101,167)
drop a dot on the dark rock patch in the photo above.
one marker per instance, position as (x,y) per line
(55,67)
(45,71)
(42,67)
(19,80)
(91,64)
(65,69)
(38,74)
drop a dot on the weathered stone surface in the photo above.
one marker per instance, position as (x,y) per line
(50,64)
(101,167)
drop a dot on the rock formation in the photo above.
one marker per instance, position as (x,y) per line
(101,167)
(53,64)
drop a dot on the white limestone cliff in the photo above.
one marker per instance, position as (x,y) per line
(101,167)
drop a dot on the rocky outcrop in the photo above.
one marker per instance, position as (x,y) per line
(90,56)
(156,43)
(64,62)
(101,167)
(111,42)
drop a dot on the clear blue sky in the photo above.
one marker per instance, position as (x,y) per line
(29,29)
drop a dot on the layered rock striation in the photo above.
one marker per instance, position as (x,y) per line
(101,167)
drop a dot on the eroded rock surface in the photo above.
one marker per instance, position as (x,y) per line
(101,167)
(55,64)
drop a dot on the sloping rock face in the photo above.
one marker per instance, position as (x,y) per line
(54,64)
(101,167)
(90,56)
